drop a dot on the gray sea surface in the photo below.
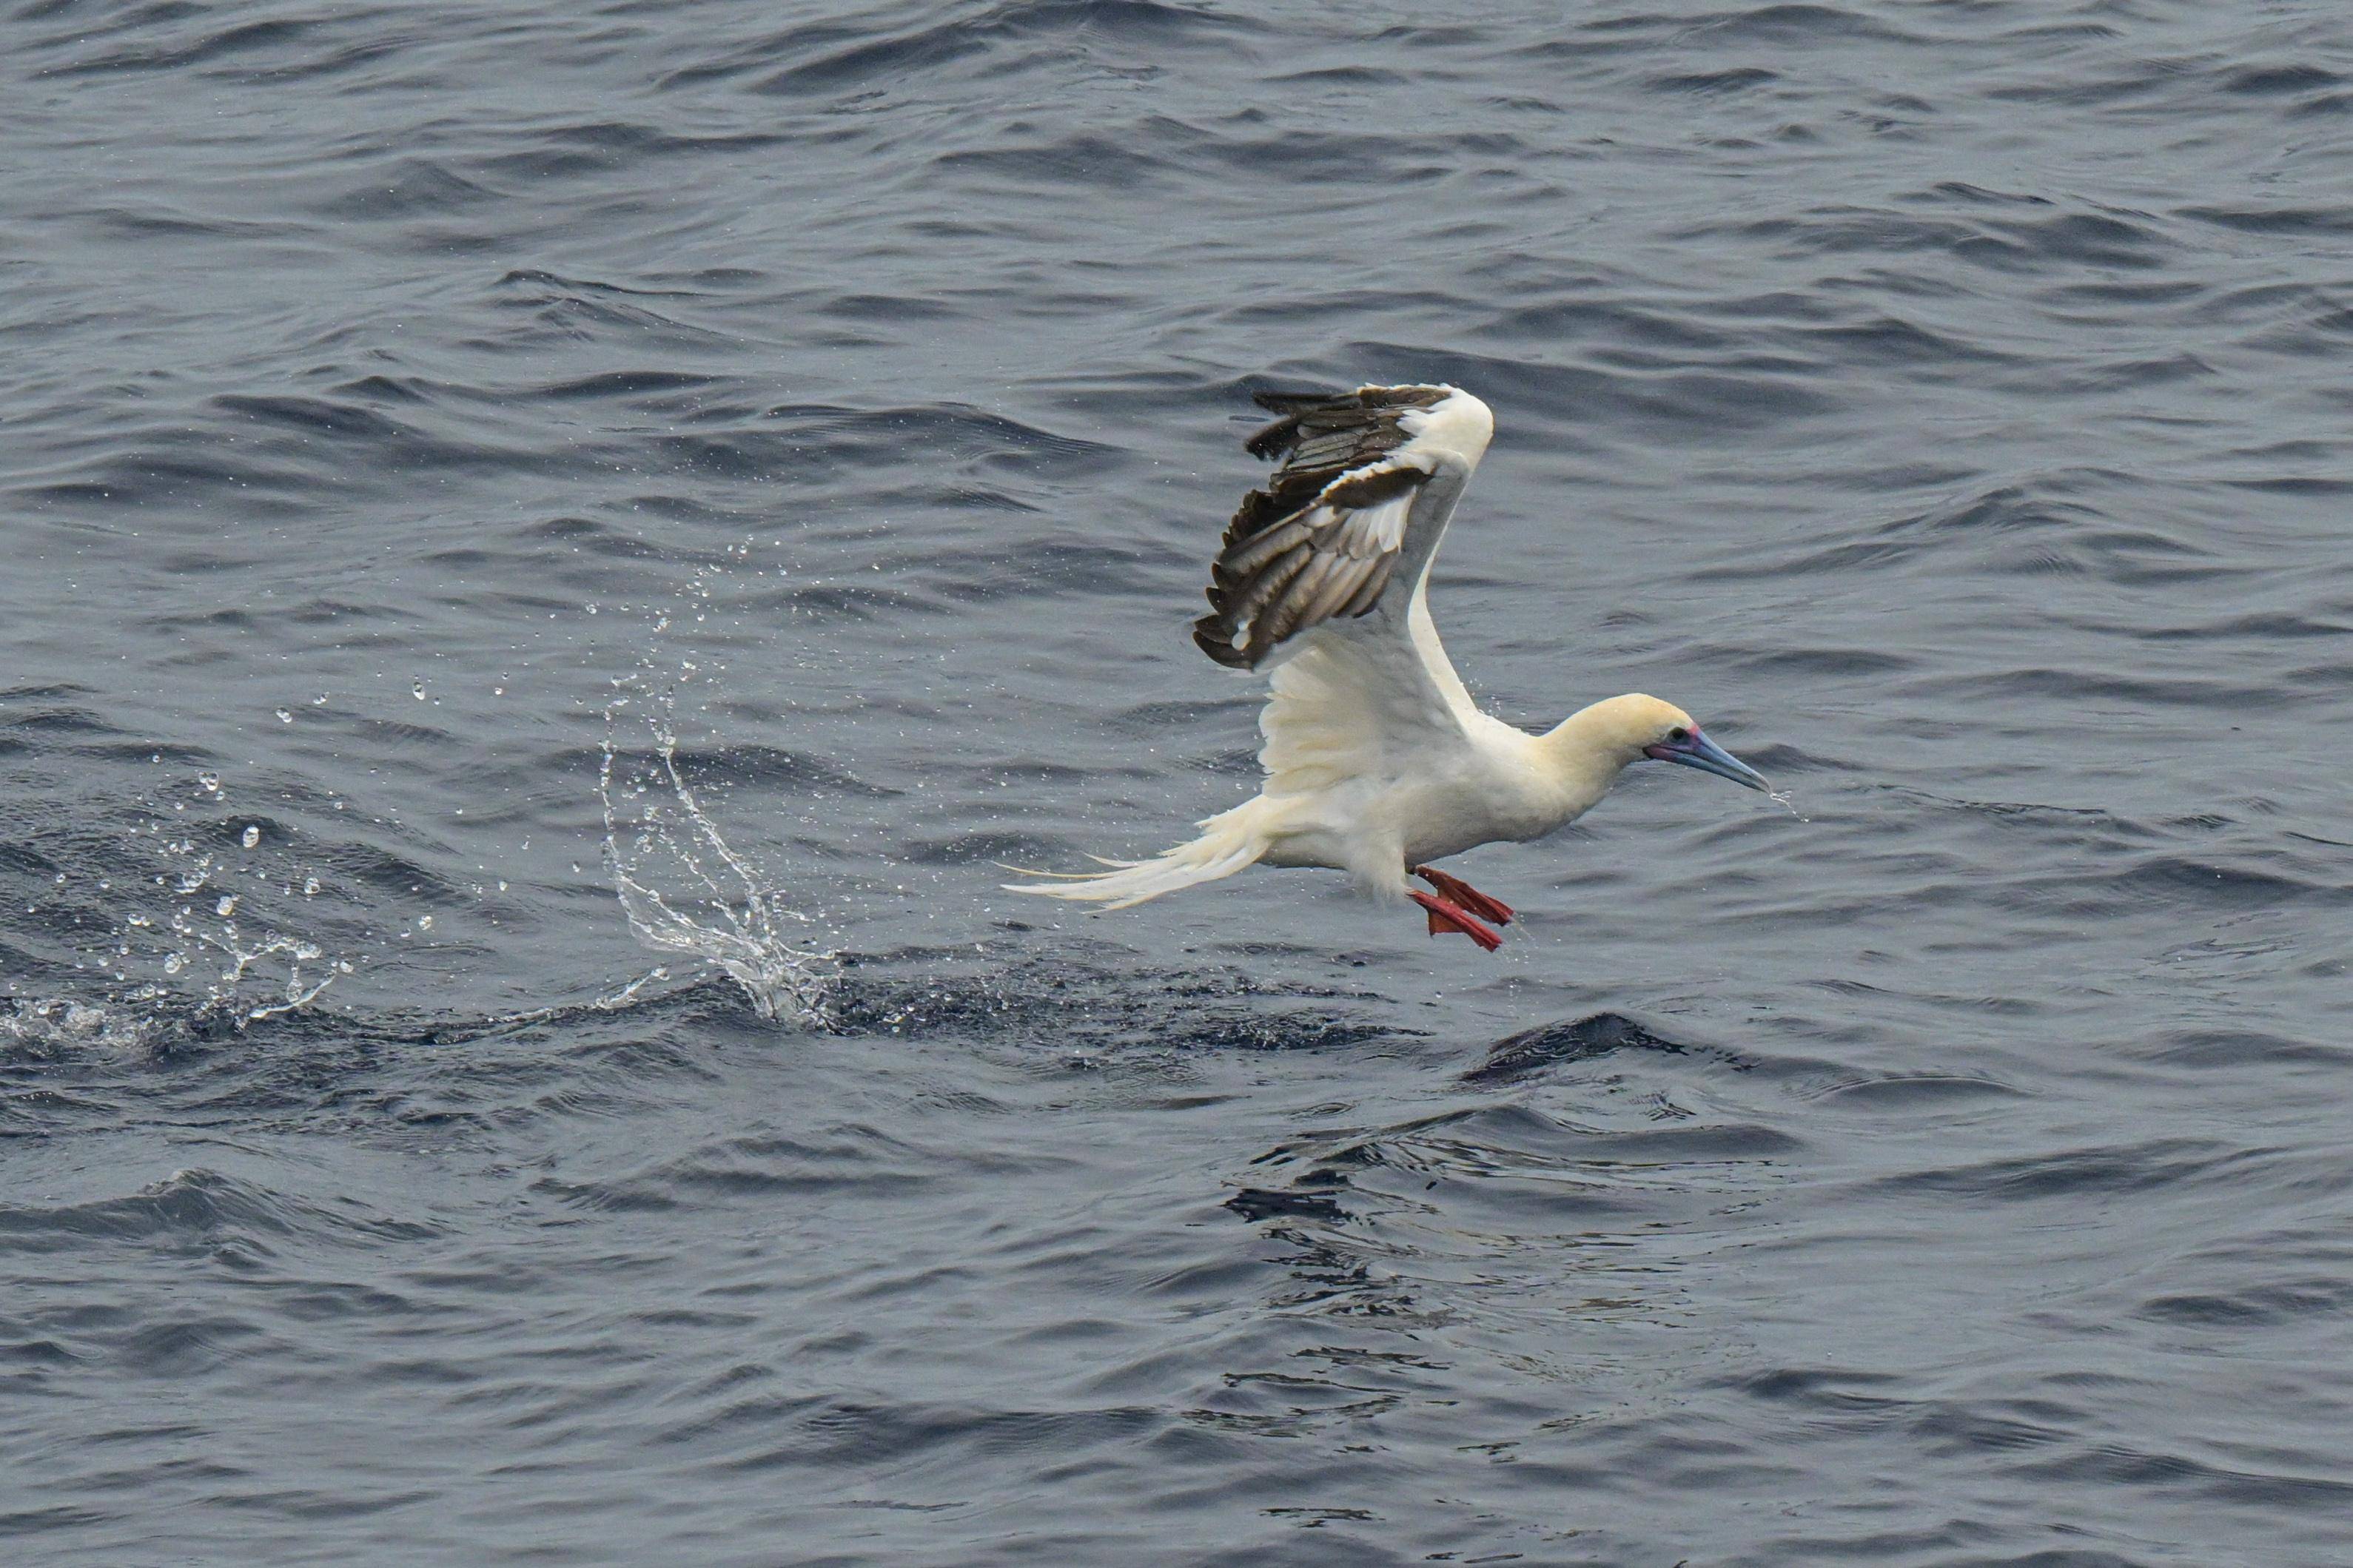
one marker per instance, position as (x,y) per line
(550,549)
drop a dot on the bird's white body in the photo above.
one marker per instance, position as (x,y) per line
(1373,811)
(1376,759)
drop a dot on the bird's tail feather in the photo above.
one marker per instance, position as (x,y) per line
(1229,841)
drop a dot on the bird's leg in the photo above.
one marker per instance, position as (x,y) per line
(1446,916)
(1463,896)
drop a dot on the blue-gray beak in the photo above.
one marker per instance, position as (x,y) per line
(1704,755)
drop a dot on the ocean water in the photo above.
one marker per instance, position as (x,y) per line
(550,551)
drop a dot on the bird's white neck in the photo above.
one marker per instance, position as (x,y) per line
(1584,753)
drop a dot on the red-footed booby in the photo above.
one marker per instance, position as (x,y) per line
(1376,760)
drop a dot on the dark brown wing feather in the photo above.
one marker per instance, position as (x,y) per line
(1291,557)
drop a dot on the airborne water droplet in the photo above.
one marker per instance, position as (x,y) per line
(251,837)
(225,905)
(285,716)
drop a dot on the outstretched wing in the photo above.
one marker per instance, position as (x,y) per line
(1322,575)
(1366,483)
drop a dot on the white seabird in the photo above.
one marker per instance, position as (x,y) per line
(1376,760)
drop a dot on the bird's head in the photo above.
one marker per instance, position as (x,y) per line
(1638,726)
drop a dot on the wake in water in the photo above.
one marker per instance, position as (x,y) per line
(742,931)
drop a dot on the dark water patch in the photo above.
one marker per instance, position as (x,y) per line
(2104,1169)
(1534,1052)
(627,383)
(1828,1389)
(892,309)
(2272,79)
(835,437)
(1616,322)
(2224,1048)
(1063,1003)
(564,284)
(2295,1303)
(1967,193)
(851,1160)
(196,1208)
(1801,23)
(1798,663)
(152,221)
(1256,1204)
(1344,76)
(1091,162)
(1891,340)
(847,57)
(2276,220)
(242,39)
(410,188)
(1918,1091)
(1740,79)
(1043,567)
(2140,87)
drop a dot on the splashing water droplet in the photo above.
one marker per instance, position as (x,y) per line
(225,905)
(285,715)
(416,689)
(748,939)
(174,963)
(425,923)
(310,886)
(251,837)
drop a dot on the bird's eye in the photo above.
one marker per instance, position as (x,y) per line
(1679,734)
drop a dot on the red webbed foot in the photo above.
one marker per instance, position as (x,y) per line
(1465,897)
(1445,917)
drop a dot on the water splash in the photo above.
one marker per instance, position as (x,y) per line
(1787,802)
(744,931)
(257,969)
(262,975)
(250,968)
(53,1027)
